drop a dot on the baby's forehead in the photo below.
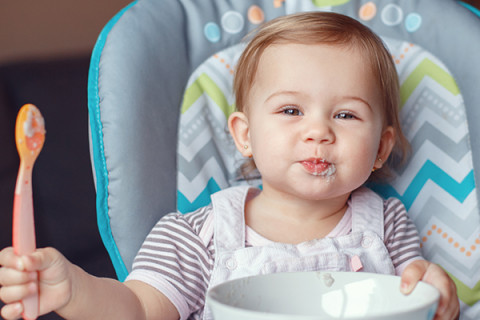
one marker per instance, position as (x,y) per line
(297,65)
(290,53)
(353,48)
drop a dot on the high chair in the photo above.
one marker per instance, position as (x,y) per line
(160,93)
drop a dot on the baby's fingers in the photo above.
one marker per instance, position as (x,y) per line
(9,259)
(448,307)
(9,277)
(10,294)
(12,311)
(413,273)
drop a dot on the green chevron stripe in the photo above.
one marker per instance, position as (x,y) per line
(191,95)
(204,84)
(327,3)
(427,68)
(468,295)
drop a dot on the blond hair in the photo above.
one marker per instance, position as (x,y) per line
(330,29)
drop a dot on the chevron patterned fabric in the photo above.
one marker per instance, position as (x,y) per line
(437,185)
(206,155)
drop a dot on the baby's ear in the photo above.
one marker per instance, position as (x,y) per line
(387,141)
(239,129)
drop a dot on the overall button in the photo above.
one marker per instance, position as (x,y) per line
(367,242)
(231,263)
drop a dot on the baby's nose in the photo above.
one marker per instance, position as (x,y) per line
(319,132)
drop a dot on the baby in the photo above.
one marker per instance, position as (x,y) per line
(317,97)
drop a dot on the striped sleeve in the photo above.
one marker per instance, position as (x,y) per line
(401,236)
(176,261)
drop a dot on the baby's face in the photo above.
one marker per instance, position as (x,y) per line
(315,120)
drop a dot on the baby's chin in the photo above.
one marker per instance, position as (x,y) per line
(319,193)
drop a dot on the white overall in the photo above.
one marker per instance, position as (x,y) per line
(361,250)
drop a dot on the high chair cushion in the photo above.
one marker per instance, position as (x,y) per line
(140,73)
(139,67)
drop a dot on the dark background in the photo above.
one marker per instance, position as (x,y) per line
(45,49)
(63,187)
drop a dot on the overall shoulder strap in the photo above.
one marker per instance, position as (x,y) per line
(367,212)
(229,218)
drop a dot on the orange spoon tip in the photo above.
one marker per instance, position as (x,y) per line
(29,132)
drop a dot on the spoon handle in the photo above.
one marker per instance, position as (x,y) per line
(24,229)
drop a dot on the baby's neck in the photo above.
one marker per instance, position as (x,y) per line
(293,221)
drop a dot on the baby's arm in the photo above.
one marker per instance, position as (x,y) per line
(73,293)
(431,273)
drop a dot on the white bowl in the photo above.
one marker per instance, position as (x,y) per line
(321,295)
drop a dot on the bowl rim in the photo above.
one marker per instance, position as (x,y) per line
(432,300)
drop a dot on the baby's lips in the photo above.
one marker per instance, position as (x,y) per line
(315,166)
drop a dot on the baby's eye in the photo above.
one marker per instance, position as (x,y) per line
(345,115)
(291,111)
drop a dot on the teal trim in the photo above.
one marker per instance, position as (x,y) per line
(203,199)
(471,8)
(429,171)
(96,127)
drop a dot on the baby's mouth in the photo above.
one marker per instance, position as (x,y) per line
(319,167)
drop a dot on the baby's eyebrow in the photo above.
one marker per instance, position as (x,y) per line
(282,93)
(296,93)
(358,99)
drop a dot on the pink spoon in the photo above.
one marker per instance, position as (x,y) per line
(29,137)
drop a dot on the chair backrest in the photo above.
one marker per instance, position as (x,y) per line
(154,66)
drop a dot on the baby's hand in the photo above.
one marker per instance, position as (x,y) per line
(448,307)
(45,271)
